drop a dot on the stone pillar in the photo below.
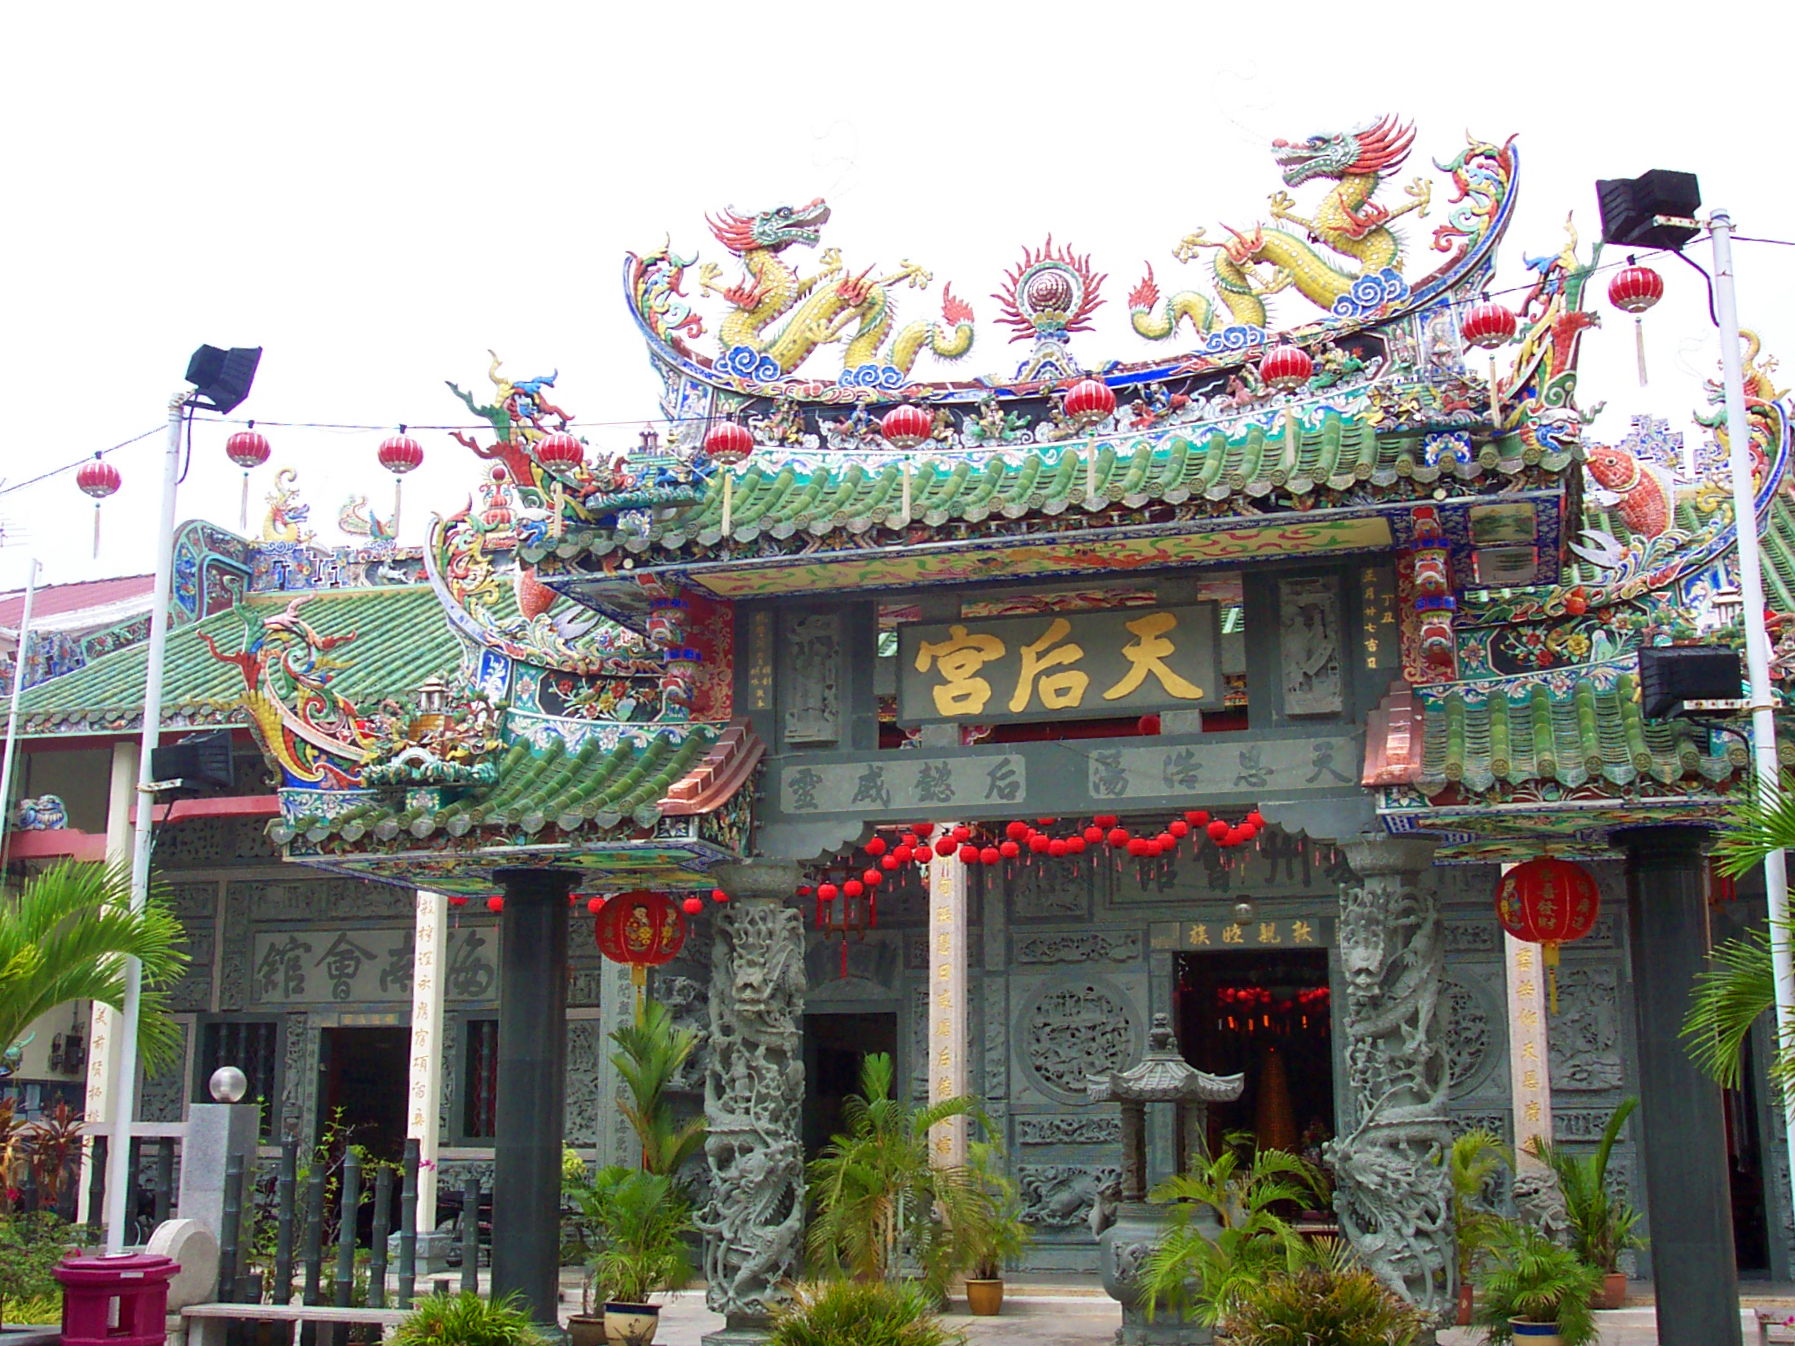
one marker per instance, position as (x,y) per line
(947,1003)
(753,1096)
(532,1085)
(424,1081)
(1682,1130)
(1392,1192)
(216,1132)
(617,1140)
(97,1109)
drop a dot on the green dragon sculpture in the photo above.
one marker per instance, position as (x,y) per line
(1349,223)
(779,319)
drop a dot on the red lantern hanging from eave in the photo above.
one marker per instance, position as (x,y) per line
(728,445)
(560,452)
(248,448)
(1635,289)
(1089,402)
(399,454)
(640,929)
(1486,326)
(99,479)
(906,426)
(1286,367)
(1548,902)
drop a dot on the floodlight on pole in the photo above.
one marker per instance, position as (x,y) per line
(220,381)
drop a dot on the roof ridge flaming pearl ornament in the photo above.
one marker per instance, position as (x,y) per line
(1635,289)
(248,448)
(99,479)
(399,454)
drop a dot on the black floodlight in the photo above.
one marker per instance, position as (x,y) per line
(1653,210)
(223,377)
(1676,679)
(200,762)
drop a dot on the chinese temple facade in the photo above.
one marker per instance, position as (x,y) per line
(986,718)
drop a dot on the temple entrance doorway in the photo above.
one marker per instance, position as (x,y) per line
(834,1045)
(1263,1014)
(363,1073)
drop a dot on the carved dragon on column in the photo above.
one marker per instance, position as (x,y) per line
(753,1091)
(1392,1194)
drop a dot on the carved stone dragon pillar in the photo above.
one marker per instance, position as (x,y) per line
(753,1096)
(1392,1192)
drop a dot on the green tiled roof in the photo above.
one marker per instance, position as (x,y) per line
(401,638)
(539,791)
(1337,456)
(1480,737)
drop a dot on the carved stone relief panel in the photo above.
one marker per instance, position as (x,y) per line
(1041,892)
(162,1095)
(194,990)
(1472,936)
(1472,1029)
(994,1053)
(1079,946)
(1074,1030)
(1068,1129)
(584,1042)
(870,967)
(1309,643)
(193,902)
(811,681)
(1584,1038)
(299,1079)
(233,979)
(1060,1196)
(333,899)
(1495,1120)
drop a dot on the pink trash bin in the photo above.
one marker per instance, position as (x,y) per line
(139,1284)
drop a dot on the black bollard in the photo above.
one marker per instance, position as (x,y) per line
(286,1196)
(383,1209)
(408,1224)
(233,1228)
(470,1233)
(346,1229)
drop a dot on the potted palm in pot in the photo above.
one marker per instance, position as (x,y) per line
(1534,1292)
(992,1234)
(1603,1224)
(642,1221)
(1474,1159)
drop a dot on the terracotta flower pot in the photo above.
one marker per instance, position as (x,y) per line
(631,1324)
(1467,1293)
(1535,1334)
(586,1329)
(1613,1293)
(985,1298)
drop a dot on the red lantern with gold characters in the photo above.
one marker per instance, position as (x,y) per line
(641,929)
(1548,902)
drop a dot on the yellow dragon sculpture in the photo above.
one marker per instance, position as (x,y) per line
(1348,222)
(778,319)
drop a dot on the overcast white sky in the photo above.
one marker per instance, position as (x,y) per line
(377,193)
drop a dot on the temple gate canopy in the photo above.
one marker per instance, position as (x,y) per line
(1331,569)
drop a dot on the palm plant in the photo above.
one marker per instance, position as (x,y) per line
(1474,1159)
(1533,1279)
(643,1220)
(650,1053)
(995,1236)
(879,1199)
(1223,1234)
(860,1313)
(1331,1300)
(1739,987)
(466,1320)
(1602,1223)
(66,936)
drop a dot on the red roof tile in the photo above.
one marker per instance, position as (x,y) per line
(52,599)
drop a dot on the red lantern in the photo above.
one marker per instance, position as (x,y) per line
(1009,850)
(901,855)
(560,452)
(641,930)
(247,448)
(1093,834)
(906,426)
(872,878)
(990,855)
(99,479)
(1089,402)
(944,846)
(1076,845)
(1548,902)
(1056,848)
(495,903)
(1196,817)
(1633,290)
(399,454)
(1285,367)
(1178,828)
(457,901)
(593,904)
(853,888)
(961,833)
(728,444)
(892,861)
(692,906)
(1256,818)
(827,892)
(1487,325)
(1118,836)
(718,895)
(1217,829)
(1167,842)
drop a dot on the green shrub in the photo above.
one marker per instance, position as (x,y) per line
(1533,1278)
(30,1246)
(1329,1303)
(861,1313)
(466,1320)
(38,1311)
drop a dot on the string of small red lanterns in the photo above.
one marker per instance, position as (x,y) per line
(1247,1009)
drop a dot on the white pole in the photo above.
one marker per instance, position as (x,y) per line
(1757,640)
(124,1112)
(12,711)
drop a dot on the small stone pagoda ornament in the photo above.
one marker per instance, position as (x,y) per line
(1134,1223)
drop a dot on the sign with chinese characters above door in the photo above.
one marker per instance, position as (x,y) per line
(311,966)
(1221,932)
(1075,665)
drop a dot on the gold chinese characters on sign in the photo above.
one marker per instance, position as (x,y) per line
(1299,932)
(1079,664)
